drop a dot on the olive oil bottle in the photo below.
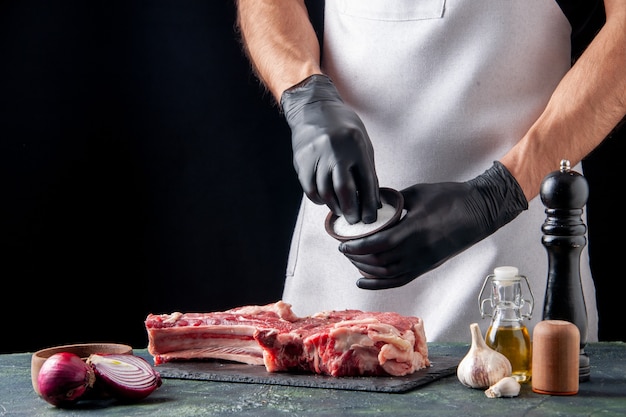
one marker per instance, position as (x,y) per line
(507,333)
(514,343)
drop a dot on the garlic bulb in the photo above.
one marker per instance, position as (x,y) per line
(482,366)
(506,387)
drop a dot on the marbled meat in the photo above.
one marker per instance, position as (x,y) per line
(337,343)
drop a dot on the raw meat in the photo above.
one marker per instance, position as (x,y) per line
(218,335)
(337,343)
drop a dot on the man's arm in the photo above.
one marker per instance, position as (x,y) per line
(586,105)
(280,42)
(332,152)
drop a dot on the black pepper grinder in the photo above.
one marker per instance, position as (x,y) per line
(564,193)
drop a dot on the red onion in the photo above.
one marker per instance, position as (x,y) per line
(125,376)
(63,379)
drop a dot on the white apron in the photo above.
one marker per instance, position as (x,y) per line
(444,87)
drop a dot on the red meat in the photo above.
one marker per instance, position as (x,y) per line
(337,343)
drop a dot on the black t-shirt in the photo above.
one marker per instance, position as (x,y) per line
(586,18)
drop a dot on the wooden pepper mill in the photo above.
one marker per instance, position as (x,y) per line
(564,193)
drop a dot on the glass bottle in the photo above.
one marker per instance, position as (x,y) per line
(507,333)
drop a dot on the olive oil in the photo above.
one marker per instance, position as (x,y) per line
(514,343)
(507,333)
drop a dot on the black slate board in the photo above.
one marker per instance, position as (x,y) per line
(236,372)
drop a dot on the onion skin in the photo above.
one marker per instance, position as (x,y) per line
(124,376)
(63,378)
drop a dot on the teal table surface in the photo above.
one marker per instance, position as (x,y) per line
(604,395)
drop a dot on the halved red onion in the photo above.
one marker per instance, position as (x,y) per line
(125,376)
(63,378)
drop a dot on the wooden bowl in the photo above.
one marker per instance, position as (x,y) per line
(387,196)
(82,350)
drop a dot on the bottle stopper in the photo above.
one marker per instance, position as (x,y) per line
(555,358)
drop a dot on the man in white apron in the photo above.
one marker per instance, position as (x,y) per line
(464,106)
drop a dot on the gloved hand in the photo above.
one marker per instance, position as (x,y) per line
(332,152)
(442,220)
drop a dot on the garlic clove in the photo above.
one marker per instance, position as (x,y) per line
(506,387)
(482,366)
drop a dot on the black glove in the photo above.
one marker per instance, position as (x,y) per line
(332,152)
(442,220)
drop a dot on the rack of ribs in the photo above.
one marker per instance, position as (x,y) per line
(336,343)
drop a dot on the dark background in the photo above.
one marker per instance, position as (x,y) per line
(144,170)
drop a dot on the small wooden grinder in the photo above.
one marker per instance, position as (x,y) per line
(555,359)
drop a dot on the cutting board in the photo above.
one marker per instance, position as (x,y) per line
(441,366)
